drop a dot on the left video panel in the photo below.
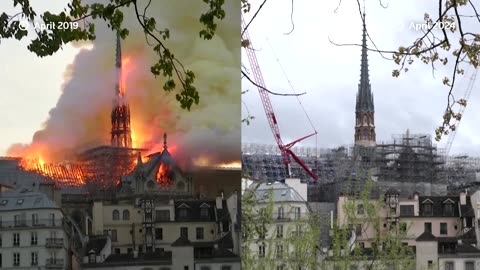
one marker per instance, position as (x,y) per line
(121,134)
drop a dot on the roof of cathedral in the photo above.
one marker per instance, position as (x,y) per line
(364,94)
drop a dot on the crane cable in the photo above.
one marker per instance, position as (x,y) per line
(298,99)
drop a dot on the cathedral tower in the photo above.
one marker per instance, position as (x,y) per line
(364,111)
(121,133)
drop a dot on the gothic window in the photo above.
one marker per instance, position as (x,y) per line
(126,215)
(116,215)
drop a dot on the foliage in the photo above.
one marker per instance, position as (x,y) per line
(363,217)
(49,41)
(297,239)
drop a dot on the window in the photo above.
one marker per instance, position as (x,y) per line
(0,259)
(261,251)
(204,212)
(430,264)
(16,259)
(279,231)
(443,228)
(116,215)
(184,232)
(226,267)
(428,227)
(126,215)
(117,251)
(114,235)
(52,219)
(262,231)
(469,265)
(182,212)
(297,212)
(162,215)
(92,258)
(0,240)
(279,251)
(448,209)
(205,268)
(280,212)
(34,258)
(16,239)
(449,266)
(360,209)
(427,209)
(406,210)
(16,220)
(20,201)
(34,219)
(4,202)
(158,234)
(199,233)
(34,239)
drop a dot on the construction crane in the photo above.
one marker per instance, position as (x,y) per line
(451,137)
(285,149)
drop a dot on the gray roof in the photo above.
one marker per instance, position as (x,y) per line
(24,199)
(281,192)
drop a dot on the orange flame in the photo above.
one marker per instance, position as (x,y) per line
(163,177)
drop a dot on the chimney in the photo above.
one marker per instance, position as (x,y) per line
(415,196)
(219,202)
(463,198)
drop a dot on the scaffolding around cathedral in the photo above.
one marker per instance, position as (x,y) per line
(410,158)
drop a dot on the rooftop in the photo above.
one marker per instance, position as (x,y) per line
(24,199)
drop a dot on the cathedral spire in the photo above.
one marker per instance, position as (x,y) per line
(364,110)
(364,95)
(120,116)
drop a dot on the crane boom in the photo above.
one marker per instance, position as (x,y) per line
(451,137)
(285,150)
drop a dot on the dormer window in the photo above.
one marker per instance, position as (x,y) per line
(20,201)
(428,209)
(204,210)
(182,212)
(448,208)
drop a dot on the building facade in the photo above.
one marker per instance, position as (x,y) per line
(33,232)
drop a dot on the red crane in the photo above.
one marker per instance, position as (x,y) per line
(272,119)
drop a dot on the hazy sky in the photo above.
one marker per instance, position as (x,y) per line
(30,85)
(330,75)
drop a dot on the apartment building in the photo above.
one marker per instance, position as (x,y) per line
(32,232)
(173,234)
(441,230)
(289,217)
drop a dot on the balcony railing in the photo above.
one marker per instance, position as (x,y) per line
(54,243)
(54,264)
(31,223)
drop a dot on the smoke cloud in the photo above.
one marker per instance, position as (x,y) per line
(212,129)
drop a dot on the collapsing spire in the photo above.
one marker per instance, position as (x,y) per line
(121,132)
(364,95)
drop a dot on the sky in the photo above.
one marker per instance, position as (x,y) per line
(330,74)
(30,85)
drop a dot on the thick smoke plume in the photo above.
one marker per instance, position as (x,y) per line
(211,129)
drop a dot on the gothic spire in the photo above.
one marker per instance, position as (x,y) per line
(118,58)
(364,95)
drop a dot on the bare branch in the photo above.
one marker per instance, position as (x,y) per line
(270,92)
